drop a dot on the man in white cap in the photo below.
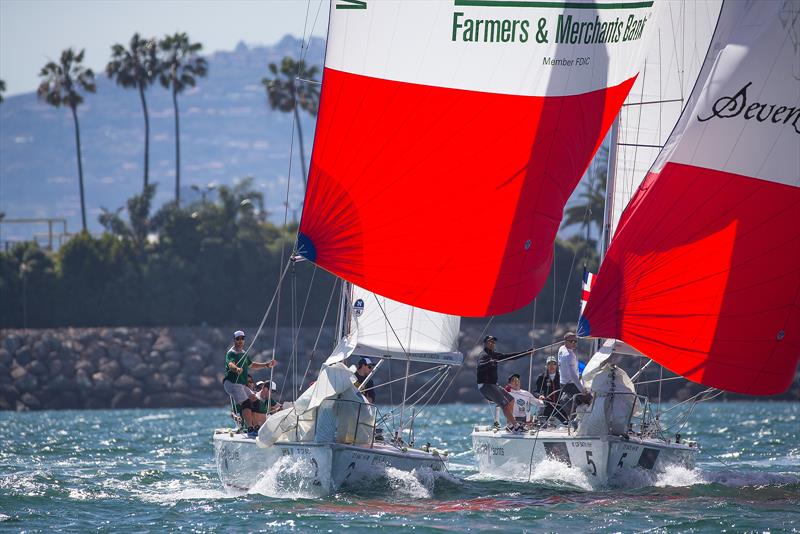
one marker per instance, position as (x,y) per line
(237,364)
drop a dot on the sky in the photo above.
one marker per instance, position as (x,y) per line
(33,32)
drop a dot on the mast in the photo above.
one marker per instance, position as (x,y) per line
(611,176)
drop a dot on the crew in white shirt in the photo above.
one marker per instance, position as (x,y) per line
(523,400)
(573,391)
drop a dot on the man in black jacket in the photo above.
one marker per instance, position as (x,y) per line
(548,386)
(487,380)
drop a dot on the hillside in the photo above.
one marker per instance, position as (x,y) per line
(227,132)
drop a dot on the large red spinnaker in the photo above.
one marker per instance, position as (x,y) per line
(450,137)
(703,273)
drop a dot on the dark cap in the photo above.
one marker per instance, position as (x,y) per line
(489,338)
(364,361)
(512,377)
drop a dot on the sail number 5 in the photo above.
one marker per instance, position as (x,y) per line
(590,462)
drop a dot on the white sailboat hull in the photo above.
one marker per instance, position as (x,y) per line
(321,468)
(512,456)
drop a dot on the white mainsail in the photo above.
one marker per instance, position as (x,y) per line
(383,327)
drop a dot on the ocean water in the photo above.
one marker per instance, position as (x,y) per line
(153,471)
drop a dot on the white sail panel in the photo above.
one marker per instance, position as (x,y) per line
(493,46)
(383,327)
(682,35)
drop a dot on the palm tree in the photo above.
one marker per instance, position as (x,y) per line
(2,89)
(286,94)
(136,67)
(180,65)
(62,84)
(592,199)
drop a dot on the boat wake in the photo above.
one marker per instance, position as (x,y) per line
(293,478)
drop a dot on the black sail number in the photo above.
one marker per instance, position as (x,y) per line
(589,461)
(619,465)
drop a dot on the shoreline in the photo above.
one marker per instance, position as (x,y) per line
(182,367)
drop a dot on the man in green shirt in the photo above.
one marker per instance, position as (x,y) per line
(237,364)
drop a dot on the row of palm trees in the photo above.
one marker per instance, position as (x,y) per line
(173,61)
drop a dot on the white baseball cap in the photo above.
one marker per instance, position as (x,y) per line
(238,333)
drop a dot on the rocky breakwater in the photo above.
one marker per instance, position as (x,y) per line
(110,368)
(96,368)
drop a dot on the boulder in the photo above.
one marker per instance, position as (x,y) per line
(5,357)
(5,374)
(82,380)
(21,407)
(41,350)
(55,365)
(204,382)
(180,384)
(154,357)
(170,367)
(53,342)
(193,363)
(126,383)
(23,355)
(37,368)
(129,360)
(112,369)
(164,342)
(95,352)
(102,382)
(30,400)
(141,370)
(23,380)
(127,399)
(12,342)
(156,382)
(84,365)
(10,394)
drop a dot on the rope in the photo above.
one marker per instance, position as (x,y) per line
(535,442)
(319,333)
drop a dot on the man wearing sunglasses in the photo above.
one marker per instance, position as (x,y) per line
(572,388)
(237,364)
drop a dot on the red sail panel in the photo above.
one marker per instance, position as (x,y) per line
(446,199)
(703,276)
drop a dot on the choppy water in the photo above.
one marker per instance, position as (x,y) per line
(153,470)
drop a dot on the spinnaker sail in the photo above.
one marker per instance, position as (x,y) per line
(703,273)
(450,135)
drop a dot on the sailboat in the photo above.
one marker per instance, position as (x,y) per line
(428,112)
(332,435)
(702,274)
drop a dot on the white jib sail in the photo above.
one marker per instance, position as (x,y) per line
(385,328)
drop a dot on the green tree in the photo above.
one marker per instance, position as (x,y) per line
(291,87)
(139,224)
(591,203)
(136,67)
(2,89)
(27,283)
(62,84)
(180,67)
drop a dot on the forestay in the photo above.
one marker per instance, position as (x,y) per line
(450,135)
(383,327)
(703,274)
